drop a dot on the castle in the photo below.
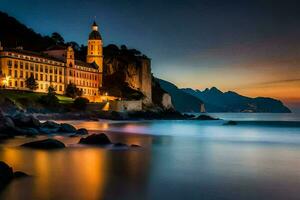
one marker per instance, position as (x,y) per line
(57,66)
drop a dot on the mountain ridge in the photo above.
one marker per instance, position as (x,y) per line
(217,101)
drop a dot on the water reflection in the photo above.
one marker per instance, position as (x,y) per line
(76,172)
(179,160)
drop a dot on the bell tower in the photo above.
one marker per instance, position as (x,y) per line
(95,45)
(70,57)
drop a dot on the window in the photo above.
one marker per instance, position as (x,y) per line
(16,63)
(41,77)
(9,63)
(16,83)
(21,74)
(21,65)
(9,72)
(16,74)
(26,66)
(31,67)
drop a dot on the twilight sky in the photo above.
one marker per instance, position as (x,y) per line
(251,47)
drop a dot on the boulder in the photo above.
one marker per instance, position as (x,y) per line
(205,117)
(82,131)
(135,146)
(31,131)
(23,120)
(230,123)
(6,174)
(8,122)
(96,139)
(50,125)
(119,144)
(45,144)
(19,174)
(48,131)
(67,128)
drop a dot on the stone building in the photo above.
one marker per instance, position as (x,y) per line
(57,66)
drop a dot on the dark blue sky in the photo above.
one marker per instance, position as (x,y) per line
(234,45)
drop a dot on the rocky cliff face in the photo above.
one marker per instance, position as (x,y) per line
(132,68)
(160,97)
(182,101)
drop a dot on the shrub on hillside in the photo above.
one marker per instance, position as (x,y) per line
(49,101)
(72,91)
(80,103)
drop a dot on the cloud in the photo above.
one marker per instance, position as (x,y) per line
(279,81)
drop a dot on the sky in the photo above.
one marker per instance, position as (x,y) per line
(251,47)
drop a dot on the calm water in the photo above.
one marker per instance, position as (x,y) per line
(179,160)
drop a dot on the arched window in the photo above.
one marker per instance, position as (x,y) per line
(92,47)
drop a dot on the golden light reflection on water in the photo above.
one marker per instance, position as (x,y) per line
(72,173)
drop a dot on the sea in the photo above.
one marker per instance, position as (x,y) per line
(259,158)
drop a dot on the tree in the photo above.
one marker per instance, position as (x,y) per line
(74,45)
(31,83)
(72,91)
(50,100)
(80,103)
(57,38)
(51,90)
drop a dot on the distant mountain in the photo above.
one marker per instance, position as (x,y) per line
(181,100)
(218,101)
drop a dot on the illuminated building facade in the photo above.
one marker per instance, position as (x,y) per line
(56,66)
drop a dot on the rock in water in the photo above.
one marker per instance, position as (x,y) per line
(45,144)
(67,128)
(96,139)
(19,174)
(23,120)
(206,117)
(230,123)
(6,174)
(82,131)
(119,144)
(135,146)
(50,125)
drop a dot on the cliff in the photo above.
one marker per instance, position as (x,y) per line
(182,101)
(127,68)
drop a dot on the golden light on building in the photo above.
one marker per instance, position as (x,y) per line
(57,66)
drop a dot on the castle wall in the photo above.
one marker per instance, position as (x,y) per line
(122,106)
(146,81)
